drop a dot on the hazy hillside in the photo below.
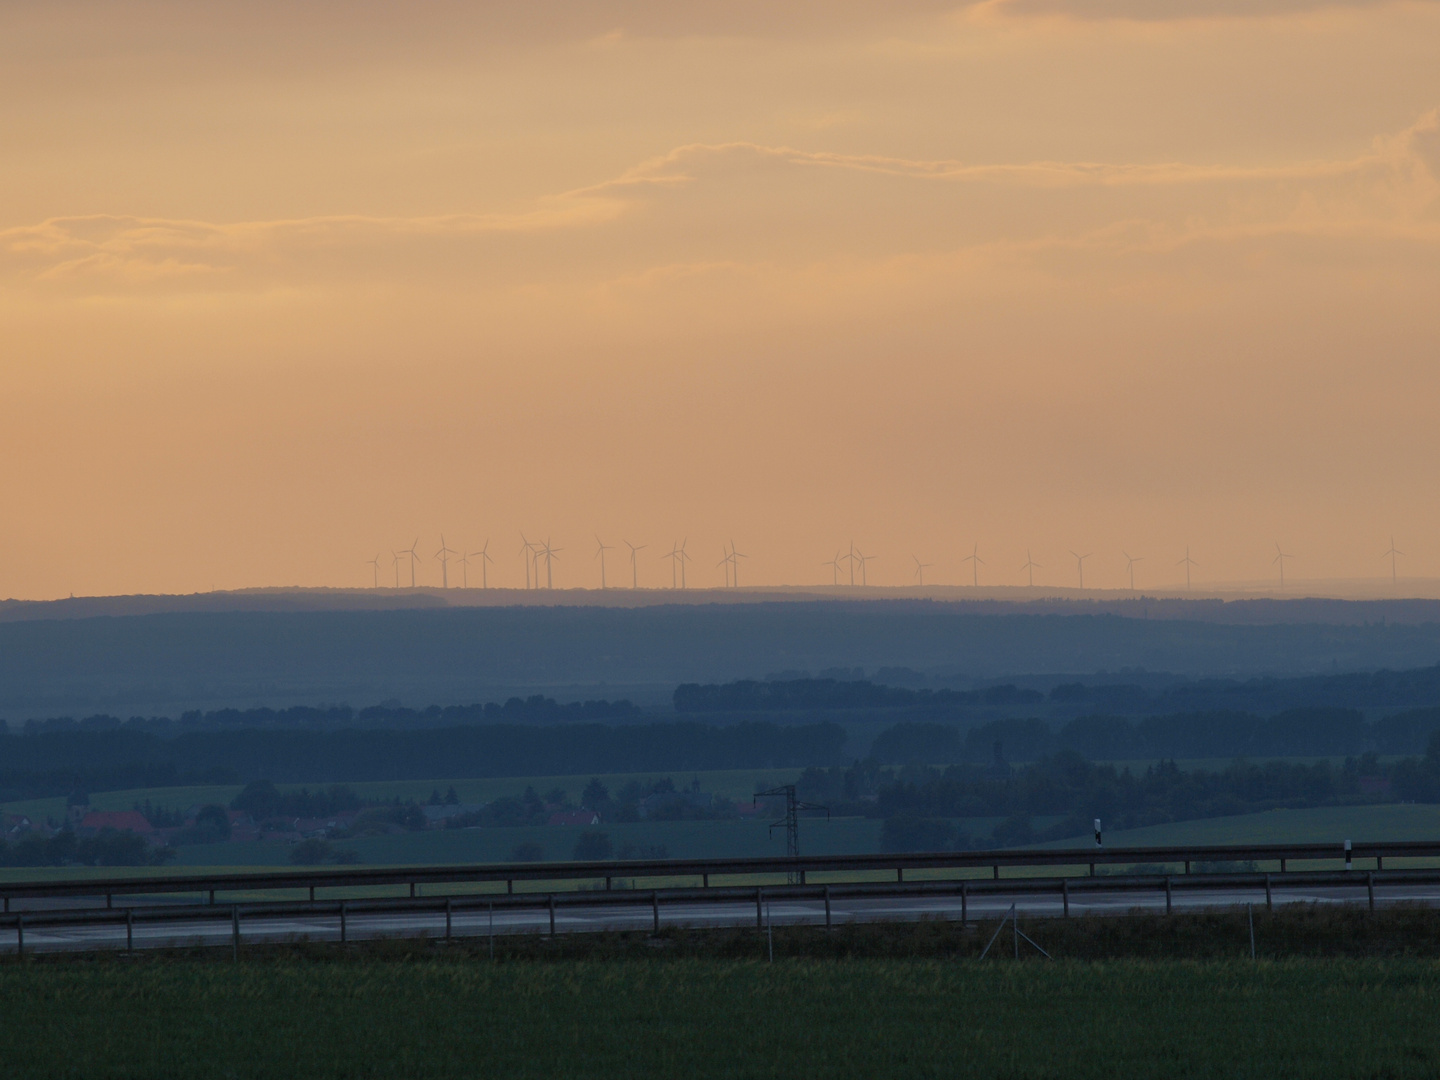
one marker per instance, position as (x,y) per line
(169,662)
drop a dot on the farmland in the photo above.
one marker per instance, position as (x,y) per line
(366,1015)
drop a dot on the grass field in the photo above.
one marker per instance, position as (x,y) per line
(463,1017)
(1317,825)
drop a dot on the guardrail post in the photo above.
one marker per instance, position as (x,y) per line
(997,871)
(342,922)
(412,890)
(802,877)
(1347,855)
(1187,866)
(1370,889)
(1379,862)
(234,932)
(447,918)
(1269,903)
(108,904)
(552,914)
(212,898)
(20,934)
(510,886)
(7,905)
(759,911)
(129,931)
(1092,869)
(1065,895)
(964,906)
(1282,865)
(655,909)
(827,907)
(607,882)
(704,881)
(1168,907)
(312,894)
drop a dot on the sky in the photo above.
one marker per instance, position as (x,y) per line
(284,287)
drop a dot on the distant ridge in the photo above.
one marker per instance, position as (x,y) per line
(1232,609)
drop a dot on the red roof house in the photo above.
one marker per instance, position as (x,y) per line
(120,820)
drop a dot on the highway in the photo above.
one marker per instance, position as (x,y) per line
(579,913)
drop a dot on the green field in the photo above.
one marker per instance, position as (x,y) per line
(456,1017)
(1317,825)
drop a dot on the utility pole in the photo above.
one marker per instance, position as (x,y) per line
(791,821)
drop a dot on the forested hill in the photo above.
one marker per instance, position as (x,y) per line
(1376,690)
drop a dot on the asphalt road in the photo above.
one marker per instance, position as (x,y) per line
(574,916)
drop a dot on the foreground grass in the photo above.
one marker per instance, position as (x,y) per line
(416,1014)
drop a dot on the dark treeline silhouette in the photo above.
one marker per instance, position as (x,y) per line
(1293,733)
(532,710)
(1414,688)
(57,762)
(920,804)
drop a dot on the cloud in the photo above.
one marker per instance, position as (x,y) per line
(742,203)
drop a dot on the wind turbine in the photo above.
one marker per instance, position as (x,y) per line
(683,558)
(1280,558)
(395,559)
(375,562)
(444,556)
(549,554)
(464,561)
(1187,562)
(414,558)
(1130,562)
(725,562)
(834,565)
(674,556)
(634,568)
(600,554)
(1031,565)
(1393,554)
(735,557)
(851,558)
(1080,564)
(484,554)
(864,580)
(920,569)
(975,563)
(527,549)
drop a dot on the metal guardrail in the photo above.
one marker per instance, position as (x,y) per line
(1061,888)
(705,869)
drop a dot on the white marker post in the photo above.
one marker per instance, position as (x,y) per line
(1097,834)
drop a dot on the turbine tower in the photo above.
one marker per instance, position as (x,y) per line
(444,556)
(851,558)
(1031,565)
(1280,558)
(1130,562)
(395,560)
(414,558)
(1393,554)
(1187,562)
(735,557)
(682,558)
(548,553)
(600,550)
(674,556)
(484,554)
(834,565)
(634,566)
(975,563)
(863,560)
(375,562)
(528,550)
(920,568)
(464,561)
(1080,565)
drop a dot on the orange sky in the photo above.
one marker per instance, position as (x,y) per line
(280,290)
